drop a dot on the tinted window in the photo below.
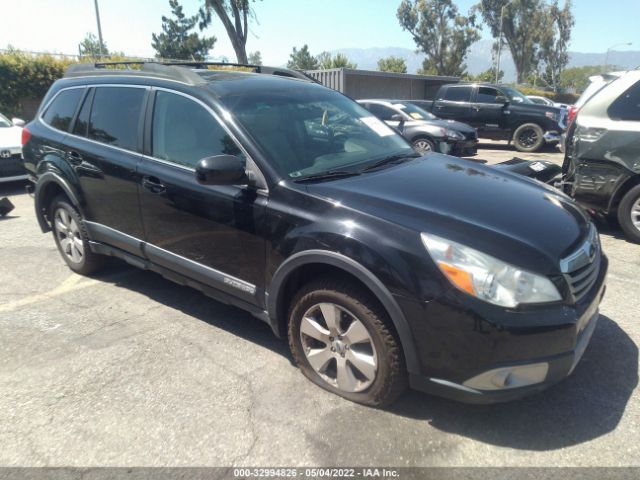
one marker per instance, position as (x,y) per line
(184,132)
(488,95)
(115,115)
(627,106)
(458,94)
(382,112)
(82,122)
(60,112)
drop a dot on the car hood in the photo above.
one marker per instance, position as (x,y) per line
(10,137)
(532,107)
(452,124)
(511,217)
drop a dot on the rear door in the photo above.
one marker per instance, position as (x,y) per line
(213,234)
(103,147)
(454,102)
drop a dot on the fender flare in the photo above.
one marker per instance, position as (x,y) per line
(44,181)
(357,270)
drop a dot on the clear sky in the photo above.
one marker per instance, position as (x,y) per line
(59,25)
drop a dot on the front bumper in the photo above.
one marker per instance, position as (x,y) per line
(552,137)
(464,345)
(451,146)
(12,168)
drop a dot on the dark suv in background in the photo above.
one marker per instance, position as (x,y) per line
(291,201)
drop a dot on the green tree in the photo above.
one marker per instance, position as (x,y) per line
(90,46)
(392,64)
(339,60)
(523,28)
(234,15)
(440,32)
(577,79)
(554,44)
(488,76)
(176,41)
(255,58)
(302,59)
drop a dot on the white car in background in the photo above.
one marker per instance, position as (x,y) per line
(546,101)
(11,164)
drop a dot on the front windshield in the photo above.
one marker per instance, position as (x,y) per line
(4,121)
(308,130)
(415,112)
(515,96)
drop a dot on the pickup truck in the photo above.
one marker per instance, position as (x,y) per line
(499,112)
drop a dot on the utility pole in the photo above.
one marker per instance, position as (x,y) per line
(99,27)
(606,57)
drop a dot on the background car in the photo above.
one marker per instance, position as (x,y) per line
(424,130)
(11,165)
(538,100)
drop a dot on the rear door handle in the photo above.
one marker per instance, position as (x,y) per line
(74,157)
(153,184)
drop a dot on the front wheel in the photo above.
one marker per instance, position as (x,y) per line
(341,339)
(528,138)
(629,214)
(423,145)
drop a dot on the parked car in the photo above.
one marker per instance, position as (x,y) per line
(499,112)
(11,167)
(424,130)
(287,199)
(546,101)
(602,159)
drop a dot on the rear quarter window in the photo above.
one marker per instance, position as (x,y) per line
(458,94)
(627,106)
(60,113)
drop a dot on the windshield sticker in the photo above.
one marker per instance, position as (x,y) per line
(377,126)
(416,115)
(400,106)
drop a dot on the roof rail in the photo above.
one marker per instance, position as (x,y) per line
(173,70)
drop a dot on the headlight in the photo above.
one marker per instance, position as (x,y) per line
(453,134)
(486,277)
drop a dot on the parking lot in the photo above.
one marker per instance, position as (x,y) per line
(129,369)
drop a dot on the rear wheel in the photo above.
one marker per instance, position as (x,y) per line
(423,145)
(528,138)
(71,238)
(629,214)
(341,340)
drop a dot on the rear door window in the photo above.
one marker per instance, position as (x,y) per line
(627,105)
(60,113)
(458,94)
(115,116)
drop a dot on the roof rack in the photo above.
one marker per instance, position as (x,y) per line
(173,70)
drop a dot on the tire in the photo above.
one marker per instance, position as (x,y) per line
(70,235)
(528,138)
(629,214)
(339,348)
(423,145)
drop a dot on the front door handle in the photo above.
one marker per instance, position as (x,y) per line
(153,184)
(74,157)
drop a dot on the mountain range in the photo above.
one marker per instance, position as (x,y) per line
(480,59)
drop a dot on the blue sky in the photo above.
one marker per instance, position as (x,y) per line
(281,24)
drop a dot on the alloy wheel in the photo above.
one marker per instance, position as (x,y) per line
(528,138)
(422,146)
(68,235)
(635,214)
(338,347)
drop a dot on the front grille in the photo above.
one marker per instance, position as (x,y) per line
(12,166)
(581,268)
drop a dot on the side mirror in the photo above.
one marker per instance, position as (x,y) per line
(221,170)
(396,117)
(18,122)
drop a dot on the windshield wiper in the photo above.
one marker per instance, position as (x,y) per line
(390,159)
(328,174)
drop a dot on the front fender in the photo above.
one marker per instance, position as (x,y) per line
(354,268)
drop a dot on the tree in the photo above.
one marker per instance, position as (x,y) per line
(255,58)
(440,32)
(238,29)
(90,46)
(555,41)
(488,76)
(577,79)
(302,59)
(176,42)
(339,60)
(523,28)
(392,64)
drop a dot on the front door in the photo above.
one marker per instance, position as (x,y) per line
(213,234)
(454,104)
